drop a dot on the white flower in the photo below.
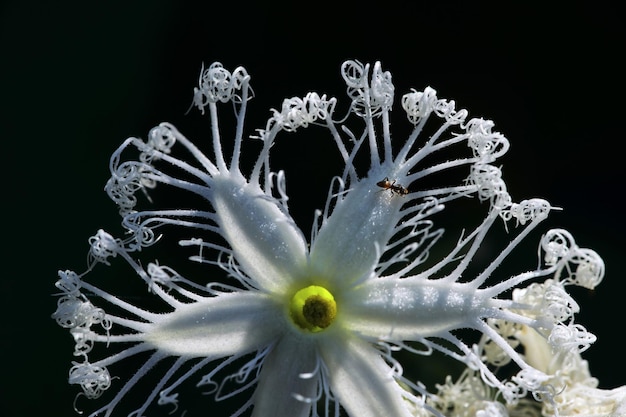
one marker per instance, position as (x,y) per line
(578,392)
(314,326)
(467,397)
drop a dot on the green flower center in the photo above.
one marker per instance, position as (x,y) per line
(313,308)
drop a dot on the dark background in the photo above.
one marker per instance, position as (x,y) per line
(77,78)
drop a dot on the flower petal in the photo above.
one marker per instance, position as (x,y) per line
(230,323)
(361,380)
(265,241)
(411,308)
(345,248)
(288,381)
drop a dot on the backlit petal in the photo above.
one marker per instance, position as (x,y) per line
(409,309)
(264,239)
(361,380)
(345,248)
(228,324)
(287,383)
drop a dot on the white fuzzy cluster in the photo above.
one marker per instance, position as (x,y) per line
(299,112)
(550,304)
(161,139)
(527,210)
(76,313)
(217,84)
(94,380)
(103,247)
(418,105)
(73,309)
(577,392)
(575,265)
(468,396)
(369,96)
(491,187)
(126,179)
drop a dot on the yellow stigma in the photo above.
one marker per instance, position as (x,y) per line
(313,308)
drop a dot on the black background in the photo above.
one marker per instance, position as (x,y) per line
(77,78)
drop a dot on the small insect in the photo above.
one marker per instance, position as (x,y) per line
(392,186)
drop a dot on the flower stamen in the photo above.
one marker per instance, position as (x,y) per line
(313,308)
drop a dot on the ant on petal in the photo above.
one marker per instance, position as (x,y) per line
(392,186)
